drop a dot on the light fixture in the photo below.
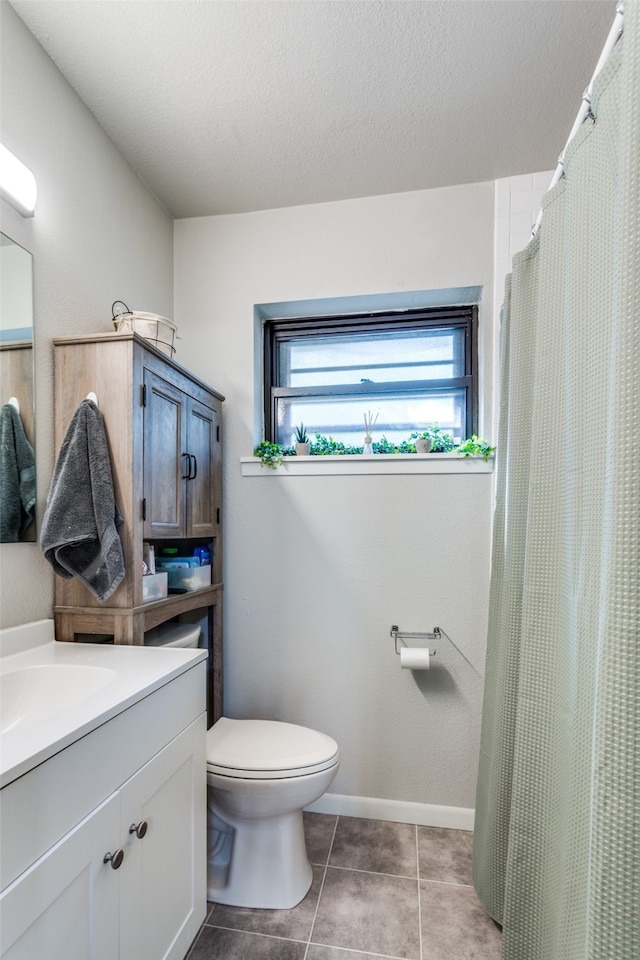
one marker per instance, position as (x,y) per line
(17,183)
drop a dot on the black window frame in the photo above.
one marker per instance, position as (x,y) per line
(277,330)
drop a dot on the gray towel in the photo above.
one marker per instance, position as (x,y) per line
(79,536)
(17,476)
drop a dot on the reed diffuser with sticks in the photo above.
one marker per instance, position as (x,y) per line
(369,423)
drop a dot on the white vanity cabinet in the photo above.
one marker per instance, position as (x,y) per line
(159,887)
(133,789)
(64,906)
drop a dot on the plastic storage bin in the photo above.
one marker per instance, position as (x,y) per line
(155,587)
(189,578)
(165,563)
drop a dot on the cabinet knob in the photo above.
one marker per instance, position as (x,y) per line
(187,475)
(115,859)
(139,829)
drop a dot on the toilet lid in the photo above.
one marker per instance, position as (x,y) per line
(267,749)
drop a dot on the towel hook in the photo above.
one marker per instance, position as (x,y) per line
(91,396)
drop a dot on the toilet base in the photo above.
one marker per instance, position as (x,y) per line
(268,867)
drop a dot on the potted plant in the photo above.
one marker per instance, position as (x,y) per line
(422,441)
(269,454)
(302,441)
(441,440)
(476,447)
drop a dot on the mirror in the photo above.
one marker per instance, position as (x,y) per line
(17,418)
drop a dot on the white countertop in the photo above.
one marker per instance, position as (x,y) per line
(136,672)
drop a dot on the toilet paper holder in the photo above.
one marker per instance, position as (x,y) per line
(437,634)
(404,636)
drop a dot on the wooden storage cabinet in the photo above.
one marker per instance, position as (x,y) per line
(164,428)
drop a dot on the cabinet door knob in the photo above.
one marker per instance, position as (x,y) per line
(139,829)
(194,472)
(115,859)
(187,475)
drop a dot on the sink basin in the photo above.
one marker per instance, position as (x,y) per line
(32,693)
(53,693)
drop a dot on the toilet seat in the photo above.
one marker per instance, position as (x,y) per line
(267,750)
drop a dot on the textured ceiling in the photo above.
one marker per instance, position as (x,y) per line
(225,106)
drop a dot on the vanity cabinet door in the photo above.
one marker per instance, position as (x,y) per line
(163,827)
(65,906)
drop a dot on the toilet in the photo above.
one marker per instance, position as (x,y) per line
(173,635)
(260,775)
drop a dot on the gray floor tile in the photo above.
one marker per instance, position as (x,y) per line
(445,855)
(216,944)
(368,912)
(335,953)
(294,924)
(368,907)
(454,925)
(318,834)
(376,845)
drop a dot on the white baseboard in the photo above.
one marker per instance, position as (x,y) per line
(399,811)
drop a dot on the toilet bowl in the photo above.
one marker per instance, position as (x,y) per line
(260,775)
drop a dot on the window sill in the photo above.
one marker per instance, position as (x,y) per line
(379,463)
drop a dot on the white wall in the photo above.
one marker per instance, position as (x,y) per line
(318,568)
(97,236)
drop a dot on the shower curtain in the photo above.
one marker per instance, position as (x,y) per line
(557,838)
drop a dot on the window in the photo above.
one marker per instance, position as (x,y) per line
(412,369)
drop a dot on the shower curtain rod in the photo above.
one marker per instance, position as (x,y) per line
(615,33)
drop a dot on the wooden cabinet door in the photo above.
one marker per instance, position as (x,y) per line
(202,428)
(163,893)
(165,461)
(66,906)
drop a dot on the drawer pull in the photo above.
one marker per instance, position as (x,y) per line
(139,829)
(115,859)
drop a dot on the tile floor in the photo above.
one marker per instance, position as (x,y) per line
(380,889)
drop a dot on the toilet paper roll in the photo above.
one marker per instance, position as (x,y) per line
(414,658)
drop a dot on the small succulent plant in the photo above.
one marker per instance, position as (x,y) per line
(301,434)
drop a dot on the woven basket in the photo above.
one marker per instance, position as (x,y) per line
(157,330)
